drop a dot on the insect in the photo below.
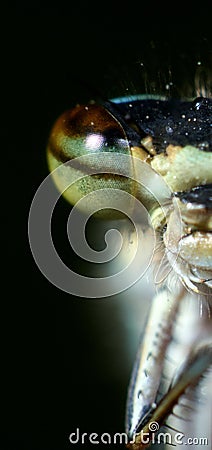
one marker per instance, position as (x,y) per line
(173,138)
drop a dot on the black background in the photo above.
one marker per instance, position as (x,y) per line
(61,357)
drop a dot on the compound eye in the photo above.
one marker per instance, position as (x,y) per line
(86,130)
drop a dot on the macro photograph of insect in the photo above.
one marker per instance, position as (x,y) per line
(107,327)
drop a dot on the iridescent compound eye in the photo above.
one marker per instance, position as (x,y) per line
(85,129)
(90,130)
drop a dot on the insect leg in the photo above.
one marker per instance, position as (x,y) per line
(198,362)
(148,367)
